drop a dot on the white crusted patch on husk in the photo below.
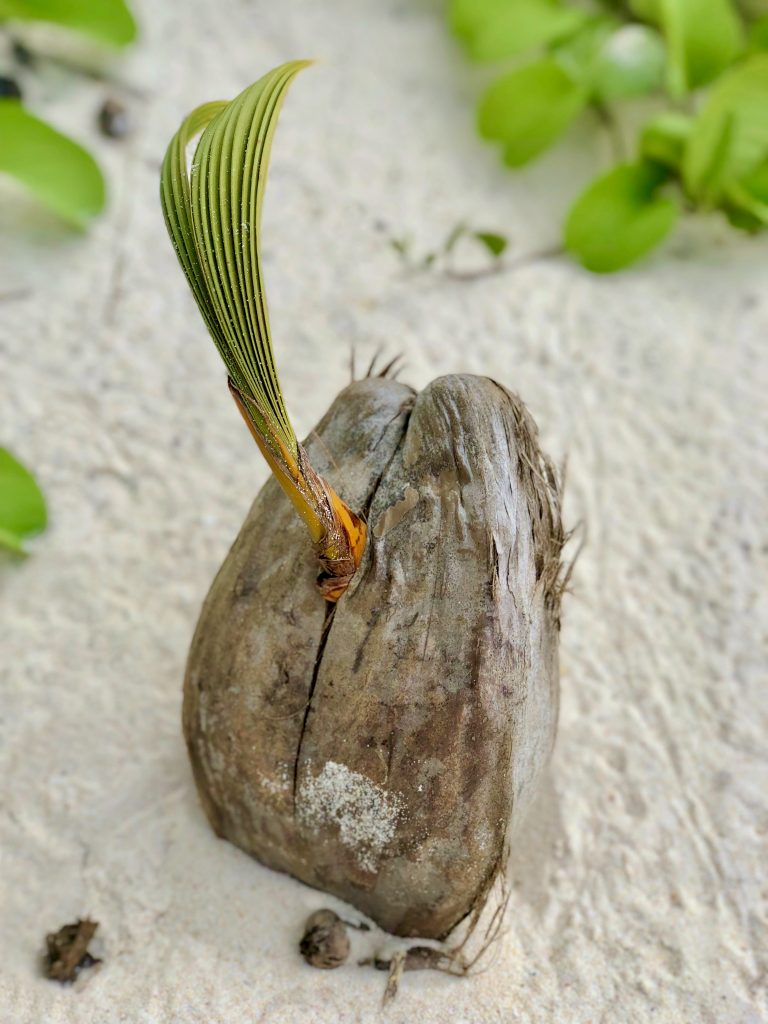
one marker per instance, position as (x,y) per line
(366,815)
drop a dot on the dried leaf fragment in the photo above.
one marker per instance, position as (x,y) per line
(67,951)
(416,958)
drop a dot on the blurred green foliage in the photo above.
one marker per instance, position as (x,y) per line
(56,169)
(706,62)
(108,21)
(64,176)
(22,506)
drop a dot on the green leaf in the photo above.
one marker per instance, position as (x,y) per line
(53,167)
(665,137)
(175,195)
(742,220)
(646,10)
(757,41)
(629,63)
(466,17)
(730,134)
(495,244)
(11,542)
(109,21)
(746,202)
(619,217)
(757,183)
(613,60)
(22,506)
(511,29)
(529,108)
(578,55)
(213,215)
(212,211)
(702,40)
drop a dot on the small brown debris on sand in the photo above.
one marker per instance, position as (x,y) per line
(325,943)
(67,951)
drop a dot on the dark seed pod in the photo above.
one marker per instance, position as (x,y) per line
(382,749)
(325,942)
(114,121)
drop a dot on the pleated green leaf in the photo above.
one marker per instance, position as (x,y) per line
(212,211)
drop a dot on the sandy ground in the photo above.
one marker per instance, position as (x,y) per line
(639,888)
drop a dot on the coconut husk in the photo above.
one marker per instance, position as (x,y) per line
(383,748)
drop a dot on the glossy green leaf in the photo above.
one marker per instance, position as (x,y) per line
(494,243)
(612,60)
(646,10)
(702,40)
(745,203)
(665,137)
(742,221)
(757,40)
(213,215)
(109,21)
(529,108)
(22,506)
(55,168)
(756,183)
(466,17)
(619,218)
(513,28)
(578,55)
(629,63)
(730,134)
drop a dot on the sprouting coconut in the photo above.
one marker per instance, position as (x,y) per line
(368,707)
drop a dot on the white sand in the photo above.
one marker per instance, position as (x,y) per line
(640,889)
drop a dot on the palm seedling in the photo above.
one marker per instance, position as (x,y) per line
(377,744)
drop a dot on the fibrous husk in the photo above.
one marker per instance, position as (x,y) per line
(382,748)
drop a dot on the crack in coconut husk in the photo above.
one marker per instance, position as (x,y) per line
(329,793)
(330,606)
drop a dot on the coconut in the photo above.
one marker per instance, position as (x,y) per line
(382,748)
(376,729)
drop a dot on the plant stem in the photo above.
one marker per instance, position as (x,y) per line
(609,122)
(503,266)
